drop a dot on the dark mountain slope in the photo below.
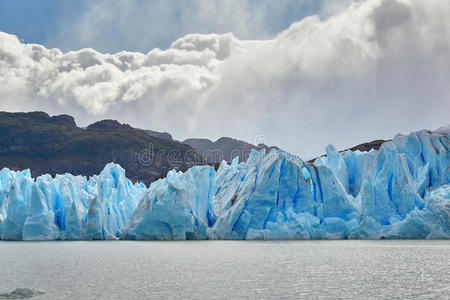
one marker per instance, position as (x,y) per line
(224,148)
(56,145)
(362,147)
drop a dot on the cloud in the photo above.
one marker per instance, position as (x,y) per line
(97,81)
(105,24)
(376,68)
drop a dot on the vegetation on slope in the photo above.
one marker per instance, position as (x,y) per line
(56,145)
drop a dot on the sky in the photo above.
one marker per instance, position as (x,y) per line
(296,74)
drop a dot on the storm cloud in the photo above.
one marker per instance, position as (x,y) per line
(371,70)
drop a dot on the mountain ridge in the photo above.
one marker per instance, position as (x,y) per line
(224,148)
(56,145)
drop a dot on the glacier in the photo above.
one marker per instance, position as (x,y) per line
(401,190)
(66,206)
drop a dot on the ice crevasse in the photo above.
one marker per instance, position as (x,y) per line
(66,206)
(401,190)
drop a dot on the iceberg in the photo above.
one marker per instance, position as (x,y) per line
(401,190)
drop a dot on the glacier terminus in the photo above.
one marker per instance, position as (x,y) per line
(401,190)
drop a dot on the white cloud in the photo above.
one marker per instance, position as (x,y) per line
(375,68)
(97,81)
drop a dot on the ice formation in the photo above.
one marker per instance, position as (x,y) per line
(401,190)
(66,206)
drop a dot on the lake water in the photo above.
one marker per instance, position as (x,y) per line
(228,269)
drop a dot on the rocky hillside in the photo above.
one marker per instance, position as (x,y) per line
(56,145)
(364,147)
(224,148)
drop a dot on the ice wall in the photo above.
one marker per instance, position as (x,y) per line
(400,191)
(66,207)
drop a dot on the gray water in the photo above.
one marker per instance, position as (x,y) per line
(227,269)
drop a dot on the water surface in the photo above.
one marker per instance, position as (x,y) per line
(227,269)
